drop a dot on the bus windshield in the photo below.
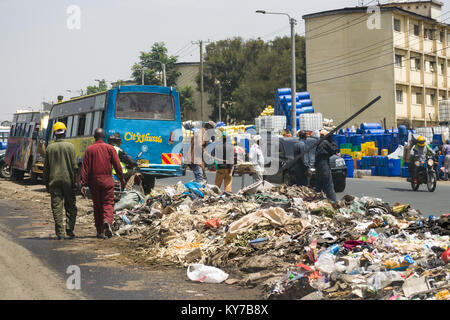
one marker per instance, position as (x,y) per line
(148,106)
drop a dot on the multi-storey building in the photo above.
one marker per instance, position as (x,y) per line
(398,50)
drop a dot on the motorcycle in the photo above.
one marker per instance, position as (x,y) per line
(425,174)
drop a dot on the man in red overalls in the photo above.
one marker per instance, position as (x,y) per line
(96,173)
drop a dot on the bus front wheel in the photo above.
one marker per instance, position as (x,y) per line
(148,183)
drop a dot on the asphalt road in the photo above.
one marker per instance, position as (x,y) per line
(391,190)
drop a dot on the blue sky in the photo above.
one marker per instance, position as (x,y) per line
(41,58)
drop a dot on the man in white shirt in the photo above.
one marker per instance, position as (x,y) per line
(257,158)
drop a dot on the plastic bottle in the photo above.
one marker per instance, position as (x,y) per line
(125,219)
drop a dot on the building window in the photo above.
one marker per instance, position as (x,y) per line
(441,36)
(417,64)
(397,25)
(418,98)
(442,68)
(398,61)
(399,96)
(432,66)
(416,30)
(432,98)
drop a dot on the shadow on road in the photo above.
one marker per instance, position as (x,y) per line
(405,189)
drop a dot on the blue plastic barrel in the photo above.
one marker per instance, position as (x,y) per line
(305,102)
(386,141)
(402,130)
(374,170)
(405,172)
(370,125)
(303,95)
(395,168)
(356,140)
(350,165)
(375,131)
(283,91)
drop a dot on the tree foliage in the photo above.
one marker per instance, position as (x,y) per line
(102,86)
(153,69)
(186,101)
(250,72)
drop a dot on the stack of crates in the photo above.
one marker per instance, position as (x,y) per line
(310,121)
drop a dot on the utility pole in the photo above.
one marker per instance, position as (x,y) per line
(200,43)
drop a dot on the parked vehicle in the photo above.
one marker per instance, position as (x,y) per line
(286,153)
(425,174)
(25,151)
(4,134)
(146,117)
(5,171)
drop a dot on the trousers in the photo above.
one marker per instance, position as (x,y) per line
(62,195)
(325,179)
(102,193)
(301,179)
(225,176)
(199,173)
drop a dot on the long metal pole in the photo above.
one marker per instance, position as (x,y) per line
(220,102)
(164,74)
(293,83)
(201,80)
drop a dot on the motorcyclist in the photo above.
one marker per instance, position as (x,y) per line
(128,164)
(419,152)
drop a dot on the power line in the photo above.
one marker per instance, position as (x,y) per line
(343,57)
(329,22)
(182,48)
(370,69)
(359,60)
(189,53)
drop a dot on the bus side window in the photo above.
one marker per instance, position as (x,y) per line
(75,126)
(69,126)
(88,126)
(81,125)
(11,133)
(102,123)
(97,120)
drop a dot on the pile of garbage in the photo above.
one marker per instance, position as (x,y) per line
(291,241)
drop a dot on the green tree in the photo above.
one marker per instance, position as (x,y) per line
(186,101)
(153,69)
(250,72)
(102,86)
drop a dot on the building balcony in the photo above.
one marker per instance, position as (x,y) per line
(429,79)
(428,46)
(400,39)
(401,110)
(400,74)
(414,43)
(416,111)
(415,77)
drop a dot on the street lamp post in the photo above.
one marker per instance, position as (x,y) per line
(220,99)
(292,22)
(163,66)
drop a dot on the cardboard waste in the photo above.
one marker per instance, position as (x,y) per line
(291,242)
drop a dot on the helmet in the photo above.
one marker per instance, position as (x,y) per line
(421,141)
(115,138)
(59,127)
(323,132)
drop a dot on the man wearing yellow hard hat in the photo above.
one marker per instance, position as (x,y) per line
(60,178)
(419,152)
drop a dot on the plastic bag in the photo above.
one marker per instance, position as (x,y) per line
(202,273)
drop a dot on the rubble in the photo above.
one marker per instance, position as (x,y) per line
(293,243)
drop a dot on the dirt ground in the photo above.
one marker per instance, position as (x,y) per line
(116,252)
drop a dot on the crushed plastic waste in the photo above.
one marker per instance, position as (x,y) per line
(291,242)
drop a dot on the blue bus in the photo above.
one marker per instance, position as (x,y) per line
(147,118)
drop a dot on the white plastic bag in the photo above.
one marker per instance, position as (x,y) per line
(202,273)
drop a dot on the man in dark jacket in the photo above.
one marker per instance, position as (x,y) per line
(325,149)
(60,172)
(301,168)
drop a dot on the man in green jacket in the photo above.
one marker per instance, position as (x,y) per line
(60,178)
